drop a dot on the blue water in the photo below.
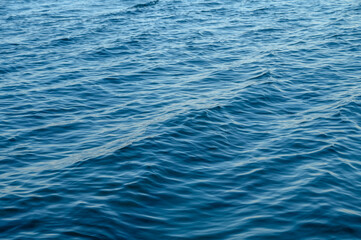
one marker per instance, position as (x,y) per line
(180,119)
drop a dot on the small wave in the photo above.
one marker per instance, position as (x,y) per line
(148,4)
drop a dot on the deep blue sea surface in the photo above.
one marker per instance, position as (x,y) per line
(180,119)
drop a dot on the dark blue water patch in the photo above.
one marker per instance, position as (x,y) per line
(180,119)
(143,5)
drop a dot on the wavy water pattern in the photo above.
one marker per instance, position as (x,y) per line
(174,119)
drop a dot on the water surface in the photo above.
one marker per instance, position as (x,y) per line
(180,119)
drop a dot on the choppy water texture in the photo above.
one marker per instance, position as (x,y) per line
(173,119)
